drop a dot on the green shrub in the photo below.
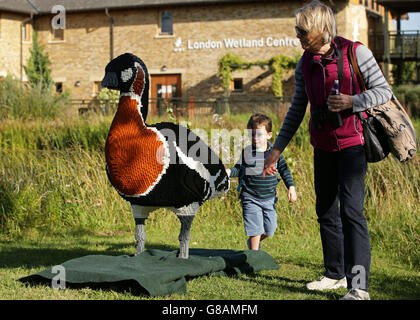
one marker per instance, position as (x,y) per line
(410,96)
(19,102)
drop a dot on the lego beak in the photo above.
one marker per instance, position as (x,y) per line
(110,81)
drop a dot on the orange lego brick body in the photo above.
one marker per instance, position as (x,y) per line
(132,150)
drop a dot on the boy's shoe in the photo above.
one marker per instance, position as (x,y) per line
(248,243)
(356,294)
(325,283)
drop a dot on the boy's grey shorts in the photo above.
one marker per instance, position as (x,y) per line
(259,215)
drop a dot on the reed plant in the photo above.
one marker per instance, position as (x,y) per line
(57,134)
(56,192)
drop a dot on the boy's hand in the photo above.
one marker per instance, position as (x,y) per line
(228,172)
(292,194)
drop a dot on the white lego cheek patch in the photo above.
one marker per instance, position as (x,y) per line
(126,74)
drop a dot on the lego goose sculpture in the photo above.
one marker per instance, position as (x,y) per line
(160,165)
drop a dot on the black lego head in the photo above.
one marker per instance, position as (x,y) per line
(121,73)
(128,74)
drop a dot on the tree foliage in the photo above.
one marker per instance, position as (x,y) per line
(279,65)
(408,72)
(37,68)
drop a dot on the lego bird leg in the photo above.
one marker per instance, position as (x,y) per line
(140,215)
(184,235)
(140,235)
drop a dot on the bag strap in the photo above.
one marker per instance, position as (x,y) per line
(356,69)
(340,62)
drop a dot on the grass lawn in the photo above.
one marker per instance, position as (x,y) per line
(299,258)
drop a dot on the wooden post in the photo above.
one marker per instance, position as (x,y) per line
(387,48)
(226,107)
(191,108)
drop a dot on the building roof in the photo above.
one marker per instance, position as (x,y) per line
(401,5)
(45,6)
(21,6)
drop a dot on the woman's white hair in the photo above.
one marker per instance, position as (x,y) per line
(318,17)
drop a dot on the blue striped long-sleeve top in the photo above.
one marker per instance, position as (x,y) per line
(249,170)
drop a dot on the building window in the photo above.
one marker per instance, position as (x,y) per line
(26,31)
(237,85)
(57,34)
(59,87)
(96,88)
(166,22)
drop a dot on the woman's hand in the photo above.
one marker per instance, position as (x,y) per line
(270,163)
(341,102)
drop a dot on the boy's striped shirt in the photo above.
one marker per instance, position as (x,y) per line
(249,170)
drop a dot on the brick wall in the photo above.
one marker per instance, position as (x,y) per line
(10,44)
(85,50)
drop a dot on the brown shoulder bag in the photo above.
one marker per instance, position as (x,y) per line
(388,122)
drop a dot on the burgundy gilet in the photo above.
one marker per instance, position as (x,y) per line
(319,75)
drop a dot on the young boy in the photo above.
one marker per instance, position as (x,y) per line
(258,194)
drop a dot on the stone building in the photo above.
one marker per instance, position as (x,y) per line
(180,41)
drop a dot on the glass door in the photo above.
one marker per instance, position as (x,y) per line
(164,88)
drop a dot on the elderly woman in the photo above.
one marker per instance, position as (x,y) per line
(337,137)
